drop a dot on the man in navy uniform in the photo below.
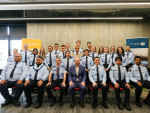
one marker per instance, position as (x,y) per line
(13,75)
(36,77)
(59,78)
(25,54)
(97,77)
(139,78)
(77,78)
(117,75)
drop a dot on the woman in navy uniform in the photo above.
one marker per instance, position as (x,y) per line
(100,51)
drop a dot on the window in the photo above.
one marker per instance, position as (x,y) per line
(15,44)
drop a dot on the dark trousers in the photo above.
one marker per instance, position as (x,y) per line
(55,84)
(67,84)
(87,81)
(5,92)
(40,91)
(127,67)
(127,92)
(95,91)
(75,85)
(139,89)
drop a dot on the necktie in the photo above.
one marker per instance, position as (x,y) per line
(105,59)
(119,73)
(11,74)
(67,64)
(77,53)
(58,74)
(56,52)
(127,56)
(140,73)
(63,55)
(25,57)
(50,60)
(112,57)
(93,56)
(33,60)
(86,65)
(35,76)
(97,75)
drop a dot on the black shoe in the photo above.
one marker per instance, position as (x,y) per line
(120,106)
(60,103)
(6,103)
(72,104)
(16,103)
(28,104)
(147,102)
(66,93)
(81,104)
(126,105)
(94,105)
(139,104)
(38,105)
(104,104)
(53,102)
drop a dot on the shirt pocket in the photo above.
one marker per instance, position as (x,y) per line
(136,73)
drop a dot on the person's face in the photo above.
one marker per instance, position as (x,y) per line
(67,46)
(78,44)
(50,49)
(120,50)
(63,49)
(118,62)
(67,54)
(96,61)
(42,50)
(86,53)
(77,49)
(15,52)
(93,49)
(18,58)
(112,49)
(39,61)
(128,48)
(25,47)
(106,50)
(35,52)
(137,61)
(89,45)
(101,49)
(57,61)
(77,61)
(56,47)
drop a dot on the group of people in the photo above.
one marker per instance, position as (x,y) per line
(70,69)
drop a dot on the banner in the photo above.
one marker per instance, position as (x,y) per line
(32,43)
(139,46)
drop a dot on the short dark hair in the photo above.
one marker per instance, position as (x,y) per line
(67,51)
(137,57)
(96,57)
(86,50)
(88,42)
(50,46)
(63,46)
(78,41)
(39,57)
(118,57)
(56,44)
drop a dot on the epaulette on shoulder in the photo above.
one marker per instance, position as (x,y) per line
(131,66)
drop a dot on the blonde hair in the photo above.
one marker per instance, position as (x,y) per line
(114,49)
(43,52)
(78,41)
(107,48)
(95,48)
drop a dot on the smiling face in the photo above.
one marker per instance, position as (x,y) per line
(112,49)
(120,50)
(106,50)
(15,51)
(127,48)
(39,61)
(137,61)
(96,61)
(63,49)
(25,47)
(118,62)
(77,61)
(50,49)
(86,53)
(67,54)
(77,49)
(58,61)
(93,49)
(35,52)
(78,44)
(56,47)
(18,57)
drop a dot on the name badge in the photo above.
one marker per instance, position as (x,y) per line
(93,69)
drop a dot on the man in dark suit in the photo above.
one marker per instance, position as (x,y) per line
(77,78)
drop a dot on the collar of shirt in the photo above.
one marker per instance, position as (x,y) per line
(137,66)
(117,66)
(96,66)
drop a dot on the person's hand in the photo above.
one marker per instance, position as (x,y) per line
(139,83)
(50,69)
(103,83)
(19,81)
(87,70)
(40,83)
(26,83)
(117,85)
(3,82)
(71,83)
(83,83)
(63,84)
(68,72)
(94,84)
(106,69)
(127,64)
(49,83)
(127,85)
